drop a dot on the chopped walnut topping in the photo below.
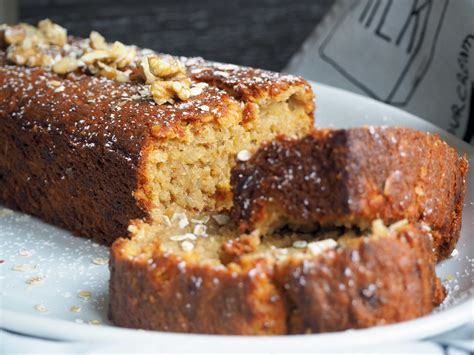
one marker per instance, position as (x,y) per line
(108,61)
(28,44)
(15,34)
(65,65)
(59,89)
(165,75)
(123,76)
(110,72)
(166,91)
(122,55)
(145,70)
(54,33)
(166,67)
(95,56)
(97,40)
(28,54)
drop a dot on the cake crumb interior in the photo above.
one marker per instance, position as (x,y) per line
(192,172)
(204,240)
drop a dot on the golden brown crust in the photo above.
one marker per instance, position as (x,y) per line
(352,177)
(248,84)
(166,293)
(73,148)
(365,283)
(370,283)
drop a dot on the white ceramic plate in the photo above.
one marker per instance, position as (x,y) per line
(67,266)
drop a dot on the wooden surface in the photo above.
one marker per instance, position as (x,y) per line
(260,33)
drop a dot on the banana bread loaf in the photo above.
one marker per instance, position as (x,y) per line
(200,277)
(350,177)
(95,134)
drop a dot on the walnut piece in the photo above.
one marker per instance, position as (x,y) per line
(167,77)
(109,60)
(123,76)
(28,55)
(97,41)
(121,54)
(29,45)
(15,34)
(65,65)
(111,72)
(95,56)
(54,33)
(166,67)
(166,91)
(144,67)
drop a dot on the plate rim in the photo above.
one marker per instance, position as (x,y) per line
(418,328)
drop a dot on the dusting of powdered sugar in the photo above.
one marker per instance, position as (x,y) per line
(45,271)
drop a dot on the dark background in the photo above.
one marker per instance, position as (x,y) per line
(259,33)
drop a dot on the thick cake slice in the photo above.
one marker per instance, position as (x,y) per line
(313,272)
(202,277)
(95,134)
(350,177)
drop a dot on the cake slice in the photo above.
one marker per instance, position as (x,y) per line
(94,134)
(198,276)
(296,258)
(349,177)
